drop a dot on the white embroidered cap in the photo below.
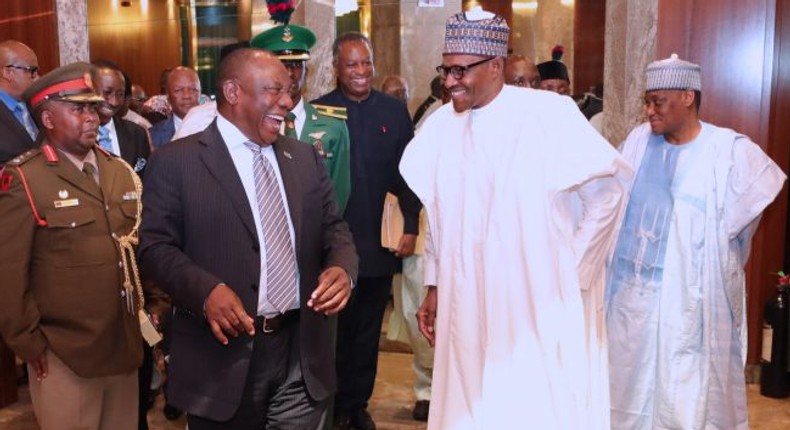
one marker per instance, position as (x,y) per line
(673,74)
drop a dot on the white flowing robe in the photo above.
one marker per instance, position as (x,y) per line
(520,333)
(677,349)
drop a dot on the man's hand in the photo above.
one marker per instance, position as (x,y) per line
(332,293)
(225,314)
(40,366)
(426,316)
(406,245)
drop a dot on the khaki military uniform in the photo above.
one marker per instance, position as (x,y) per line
(61,263)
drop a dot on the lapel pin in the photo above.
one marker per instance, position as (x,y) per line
(63,194)
(287,155)
(314,117)
(383,128)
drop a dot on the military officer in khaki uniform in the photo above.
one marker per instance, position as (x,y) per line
(70,290)
(321,126)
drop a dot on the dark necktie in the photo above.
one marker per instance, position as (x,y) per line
(280,258)
(290,125)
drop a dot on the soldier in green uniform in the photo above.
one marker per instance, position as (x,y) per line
(71,294)
(321,126)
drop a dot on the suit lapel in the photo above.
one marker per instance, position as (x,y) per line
(107,175)
(216,158)
(8,117)
(291,183)
(125,142)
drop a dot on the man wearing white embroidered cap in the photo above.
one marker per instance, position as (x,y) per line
(675,294)
(515,273)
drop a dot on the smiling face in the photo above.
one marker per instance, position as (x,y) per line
(478,86)
(668,110)
(111,85)
(70,126)
(256,96)
(354,69)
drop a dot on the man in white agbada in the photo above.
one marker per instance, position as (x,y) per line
(517,278)
(675,297)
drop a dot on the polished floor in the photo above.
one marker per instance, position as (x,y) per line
(392,401)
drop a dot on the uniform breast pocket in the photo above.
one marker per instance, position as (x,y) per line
(73,238)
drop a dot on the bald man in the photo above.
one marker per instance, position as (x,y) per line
(19,70)
(242,229)
(520,71)
(183,93)
(397,87)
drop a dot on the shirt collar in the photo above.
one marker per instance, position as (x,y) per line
(298,110)
(231,134)
(90,158)
(9,101)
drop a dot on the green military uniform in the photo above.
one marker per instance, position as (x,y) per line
(324,126)
(61,262)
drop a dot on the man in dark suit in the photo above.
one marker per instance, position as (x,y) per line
(19,70)
(119,136)
(252,283)
(380,128)
(183,92)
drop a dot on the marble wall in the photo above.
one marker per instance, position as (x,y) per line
(536,30)
(72,30)
(422,43)
(630,45)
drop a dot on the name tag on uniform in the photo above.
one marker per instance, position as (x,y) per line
(130,196)
(67,203)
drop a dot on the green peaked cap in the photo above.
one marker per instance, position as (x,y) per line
(288,42)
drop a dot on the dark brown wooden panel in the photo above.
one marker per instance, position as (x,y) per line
(8,392)
(588,44)
(34,23)
(143,39)
(735,42)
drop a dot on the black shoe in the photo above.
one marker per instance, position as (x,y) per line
(420,411)
(171,412)
(361,420)
(341,422)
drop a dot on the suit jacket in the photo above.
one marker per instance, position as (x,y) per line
(198,231)
(61,281)
(380,128)
(14,139)
(329,135)
(133,140)
(162,132)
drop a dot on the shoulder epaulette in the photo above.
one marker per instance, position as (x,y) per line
(104,151)
(23,157)
(332,111)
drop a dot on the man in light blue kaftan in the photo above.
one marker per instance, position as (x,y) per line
(675,295)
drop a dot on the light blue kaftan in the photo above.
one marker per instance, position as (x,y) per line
(674,298)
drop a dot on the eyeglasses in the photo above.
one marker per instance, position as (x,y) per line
(33,70)
(458,72)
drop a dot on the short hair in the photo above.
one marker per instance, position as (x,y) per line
(697,99)
(111,65)
(230,66)
(349,36)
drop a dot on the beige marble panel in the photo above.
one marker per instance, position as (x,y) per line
(319,16)
(72,31)
(421,43)
(630,46)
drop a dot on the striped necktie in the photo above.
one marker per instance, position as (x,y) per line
(280,258)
